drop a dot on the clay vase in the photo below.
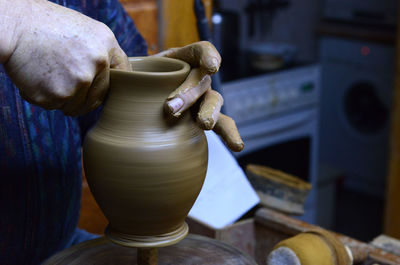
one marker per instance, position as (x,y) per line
(145,170)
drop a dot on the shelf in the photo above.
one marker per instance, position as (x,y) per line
(380,34)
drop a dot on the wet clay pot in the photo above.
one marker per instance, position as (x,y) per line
(145,170)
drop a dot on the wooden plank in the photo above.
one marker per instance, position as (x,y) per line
(198,228)
(387,243)
(392,206)
(240,234)
(178,22)
(385,35)
(272,227)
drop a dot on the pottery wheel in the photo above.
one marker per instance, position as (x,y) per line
(193,250)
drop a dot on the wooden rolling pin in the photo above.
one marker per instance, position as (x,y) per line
(314,247)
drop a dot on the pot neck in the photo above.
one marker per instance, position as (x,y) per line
(137,99)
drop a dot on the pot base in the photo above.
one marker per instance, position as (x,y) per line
(136,241)
(193,250)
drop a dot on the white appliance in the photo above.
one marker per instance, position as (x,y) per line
(357,83)
(277,117)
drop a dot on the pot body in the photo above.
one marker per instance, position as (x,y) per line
(144,170)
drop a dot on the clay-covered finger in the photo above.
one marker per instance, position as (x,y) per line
(195,85)
(199,54)
(209,111)
(97,90)
(226,128)
(90,95)
(118,59)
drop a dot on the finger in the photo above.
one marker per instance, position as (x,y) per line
(192,80)
(199,54)
(210,109)
(89,98)
(195,85)
(226,128)
(98,90)
(44,100)
(74,105)
(118,59)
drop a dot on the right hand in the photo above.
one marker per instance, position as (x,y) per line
(62,58)
(205,61)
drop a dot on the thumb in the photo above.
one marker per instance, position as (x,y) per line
(119,60)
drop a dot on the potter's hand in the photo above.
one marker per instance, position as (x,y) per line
(205,61)
(60,58)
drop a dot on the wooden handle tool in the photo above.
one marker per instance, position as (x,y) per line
(314,247)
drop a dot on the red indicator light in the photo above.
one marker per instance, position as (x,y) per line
(365,50)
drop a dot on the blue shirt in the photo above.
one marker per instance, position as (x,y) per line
(40,157)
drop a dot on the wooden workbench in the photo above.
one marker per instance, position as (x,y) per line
(258,235)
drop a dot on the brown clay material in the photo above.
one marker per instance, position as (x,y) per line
(144,170)
(191,89)
(210,109)
(194,78)
(199,54)
(226,128)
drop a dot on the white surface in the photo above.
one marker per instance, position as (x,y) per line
(226,194)
(283,256)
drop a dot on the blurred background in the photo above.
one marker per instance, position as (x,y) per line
(311,86)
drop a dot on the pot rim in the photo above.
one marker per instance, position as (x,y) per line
(184,67)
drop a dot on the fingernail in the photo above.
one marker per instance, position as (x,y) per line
(175,104)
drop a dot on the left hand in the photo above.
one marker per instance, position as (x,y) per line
(61,58)
(205,60)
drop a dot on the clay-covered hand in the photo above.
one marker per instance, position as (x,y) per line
(61,58)
(205,61)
